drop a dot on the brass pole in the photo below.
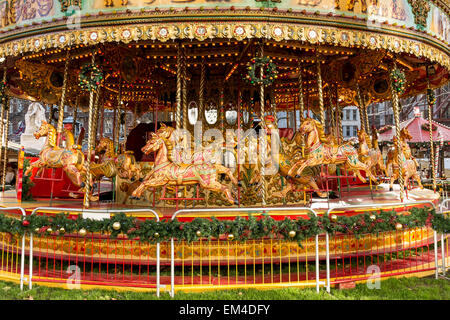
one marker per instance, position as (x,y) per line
(5,154)
(2,112)
(430,124)
(75,114)
(201,96)
(61,104)
(184,89)
(263,126)
(320,92)
(117,116)
(87,187)
(395,106)
(361,108)
(178,111)
(333,124)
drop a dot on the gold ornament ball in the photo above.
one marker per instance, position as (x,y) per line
(292,233)
(156,234)
(62,230)
(373,217)
(398,226)
(49,230)
(83,232)
(230,236)
(198,233)
(116,225)
(333,217)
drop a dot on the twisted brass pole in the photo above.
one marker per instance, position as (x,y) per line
(395,106)
(264,140)
(184,89)
(95,118)
(5,159)
(75,114)
(178,110)
(320,92)
(360,108)
(87,163)
(333,124)
(63,98)
(2,112)
(117,115)
(430,124)
(201,97)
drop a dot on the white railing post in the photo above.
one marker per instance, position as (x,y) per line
(22,254)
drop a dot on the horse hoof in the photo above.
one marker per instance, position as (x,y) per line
(141,179)
(94,186)
(239,183)
(236,202)
(288,177)
(297,176)
(391,189)
(82,185)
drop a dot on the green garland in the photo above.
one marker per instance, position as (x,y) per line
(269,75)
(426,127)
(90,77)
(398,80)
(239,229)
(431,98)
(27,183)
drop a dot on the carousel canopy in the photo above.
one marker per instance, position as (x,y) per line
(418,128)
(137,45)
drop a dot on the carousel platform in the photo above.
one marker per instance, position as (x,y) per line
(379,198)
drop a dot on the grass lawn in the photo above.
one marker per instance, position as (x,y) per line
(391,289)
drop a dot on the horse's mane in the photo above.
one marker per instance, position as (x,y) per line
(322,136)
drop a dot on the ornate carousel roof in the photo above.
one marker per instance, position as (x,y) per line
(136,45)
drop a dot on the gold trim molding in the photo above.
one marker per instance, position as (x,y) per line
(201,31)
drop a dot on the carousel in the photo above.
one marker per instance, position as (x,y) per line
(226,165)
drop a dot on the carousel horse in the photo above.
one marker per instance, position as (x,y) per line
(409,166)
(70,158)
(210,153)
(320,151)
(290,152)
(124,165)
(370,156)
(167,173)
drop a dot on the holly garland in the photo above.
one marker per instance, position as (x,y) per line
(239,229)
(90,77)
(398,80)
(27,183)
(426,127)
(270,72)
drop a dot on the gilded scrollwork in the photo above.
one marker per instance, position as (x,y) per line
(420,9)
(315,35)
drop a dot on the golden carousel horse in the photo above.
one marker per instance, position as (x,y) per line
(290,153)
(409,165)
(370,155)
(70,158)
(320,151)
(167,173)
(124,165)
